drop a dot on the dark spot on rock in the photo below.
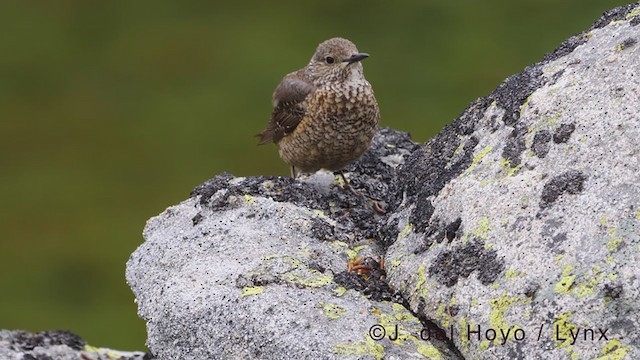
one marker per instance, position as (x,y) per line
(242,281)
(531,290)
(619,13)
(563,132)
(428,170)
(317,266)
(27,341)
(635,21)
(613,290)
(540,145)
(566,47)
(452,264)
(627,43)
(571,182)
(442,231)
(264,279)
(36,357)
(560,238)
(514,91)
(388,233)
(373,288)
(211,186)
(452,229)
(322,230)
(197,219)
(421,214)
(515,145)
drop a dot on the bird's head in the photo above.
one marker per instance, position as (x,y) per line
(336,59)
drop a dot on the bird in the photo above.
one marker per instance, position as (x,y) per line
(324,115)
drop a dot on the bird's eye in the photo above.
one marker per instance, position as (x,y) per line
(329,60)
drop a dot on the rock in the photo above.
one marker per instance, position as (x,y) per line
(547,239)
(256,268)
(56,345)
(508,233)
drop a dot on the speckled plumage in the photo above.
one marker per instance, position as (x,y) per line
(325,114)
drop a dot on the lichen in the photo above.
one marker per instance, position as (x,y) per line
(420,287)
(588,287)
(251,290)
(339,291)
(353,253)
(366,347)
(484,344)
(562,329)
(482,229)
(524,105)
(613,244)
(512,273)
(565,283)
(613,350)
(478,158)
(603,220)
(429,351)
(332,311)
(301,274)
(405,231)
(499,307)
(339,244)
(632,14)
(513,170)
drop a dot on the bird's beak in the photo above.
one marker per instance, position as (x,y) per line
(357,57)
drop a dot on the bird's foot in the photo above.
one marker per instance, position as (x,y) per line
(375,204)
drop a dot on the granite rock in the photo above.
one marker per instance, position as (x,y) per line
(511,231)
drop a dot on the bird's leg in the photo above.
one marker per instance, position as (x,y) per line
(348,185)
(377,207)
(293,172)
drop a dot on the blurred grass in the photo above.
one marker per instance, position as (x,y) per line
(112,111)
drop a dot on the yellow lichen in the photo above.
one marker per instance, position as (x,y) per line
(511,273)
(565,283)
(632,14)
(613,244)
(340,291)
(429,351)
(251,290)
(420,287)
(562,329)
(366,347)
(513,170)
(499,307)
(332,311)
(301,274)
(613,350)
(478,158)
(405,231)
(353,253)
(482,229)
(588,287)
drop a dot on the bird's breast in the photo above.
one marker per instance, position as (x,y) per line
(344,103)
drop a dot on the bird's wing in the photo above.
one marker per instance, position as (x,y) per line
(288,107)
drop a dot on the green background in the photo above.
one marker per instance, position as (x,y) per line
(111,111)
